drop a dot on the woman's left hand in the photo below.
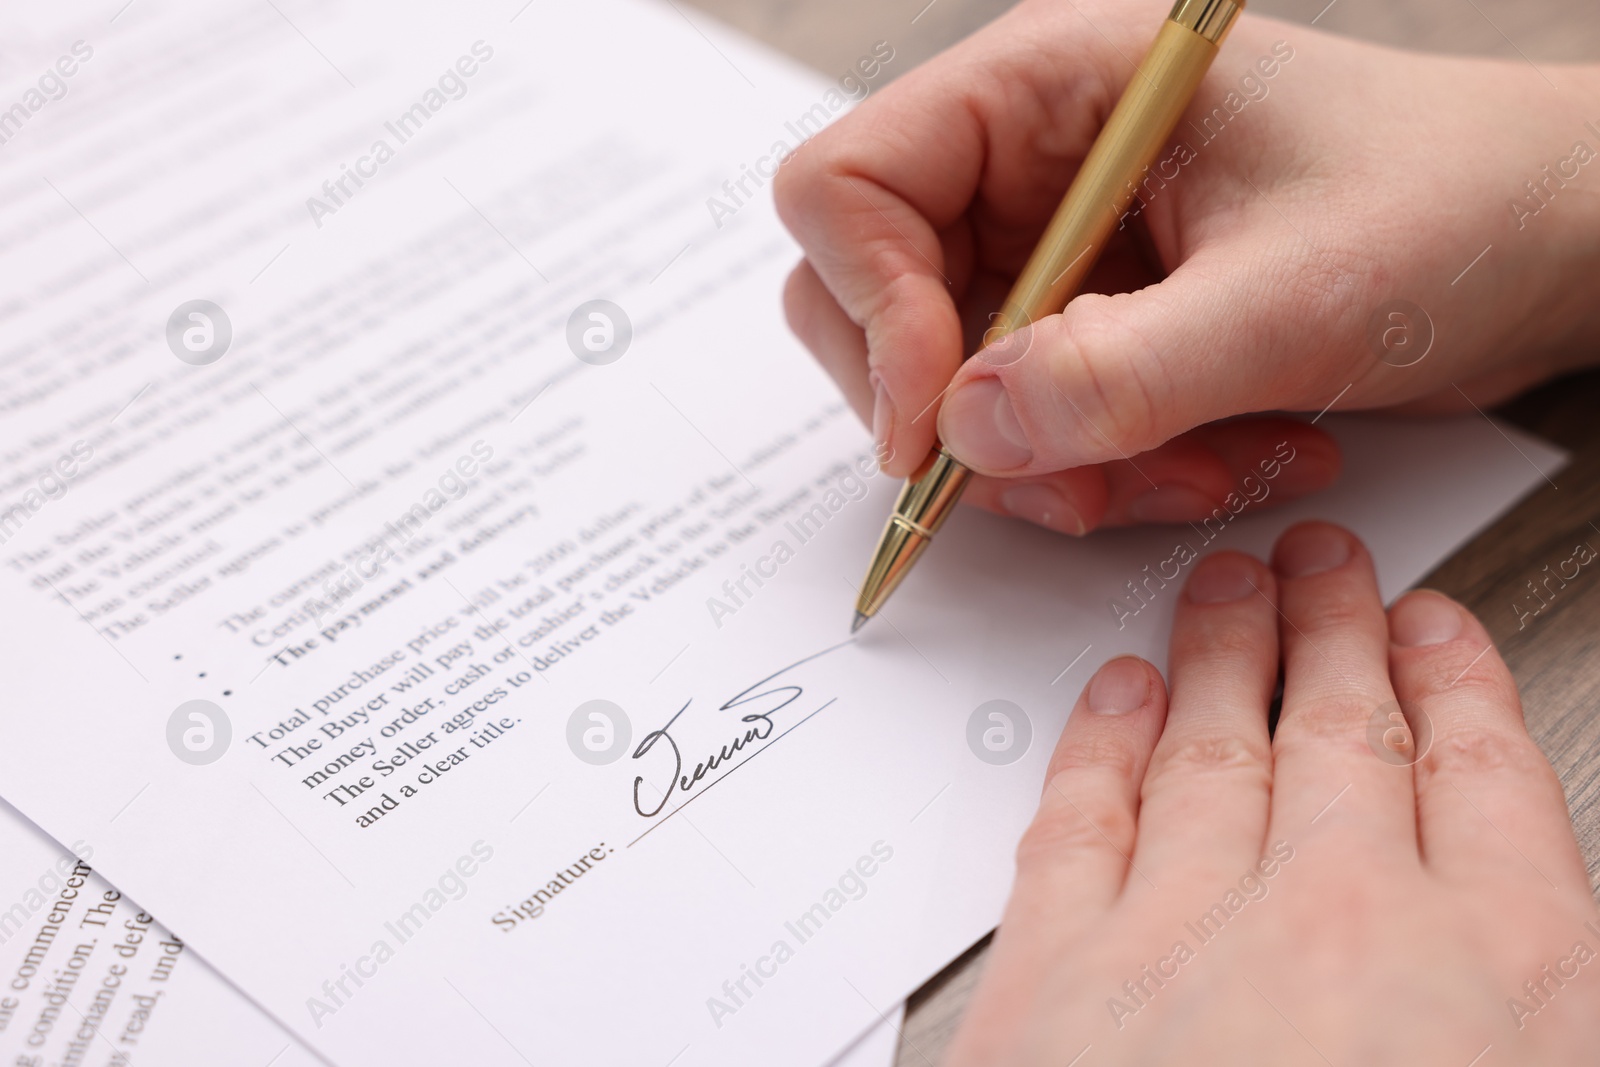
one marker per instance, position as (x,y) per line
(1195,892)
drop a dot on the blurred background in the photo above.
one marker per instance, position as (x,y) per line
(829,34)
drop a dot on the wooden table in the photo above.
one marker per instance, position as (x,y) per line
(1556,657)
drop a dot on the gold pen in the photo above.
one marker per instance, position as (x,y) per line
(1103,190)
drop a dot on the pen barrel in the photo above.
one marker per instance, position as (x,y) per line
(1107,182)
(1105,186)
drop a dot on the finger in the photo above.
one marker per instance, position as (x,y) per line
(1072,861)
(1114,376)
(837,343)
(1335,641)
(1075,855)
(1203,808)
(1225,467)
(880,258)
(972,150)
(1487,799)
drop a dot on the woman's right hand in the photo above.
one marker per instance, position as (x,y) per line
(1334,222)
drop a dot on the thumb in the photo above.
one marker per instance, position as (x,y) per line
(1114,376)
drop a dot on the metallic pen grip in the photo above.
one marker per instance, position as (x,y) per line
(1211,19)
(925,502)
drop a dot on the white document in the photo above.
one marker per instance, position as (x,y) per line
(93,978)
(423,674)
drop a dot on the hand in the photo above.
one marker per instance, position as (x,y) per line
(1193,892)
(1313,181)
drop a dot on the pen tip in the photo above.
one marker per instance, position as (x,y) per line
(860,621)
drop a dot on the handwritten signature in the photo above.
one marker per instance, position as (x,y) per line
(758,725)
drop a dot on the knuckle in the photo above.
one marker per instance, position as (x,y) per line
(1466,668)
(1338,608)
(852,226)
(1473,751)
(1433,672)
(1048,839)
(1111,372)
(1113,754)
(1338,718)
(1207,756)
(1218,653)
(896,262)
(1062,828)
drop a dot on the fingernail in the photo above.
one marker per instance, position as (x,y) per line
(1043,505)
(882,417)
(1308,550)
(1221,580)
(980,426)
(1170,503)
(1121,686)
(1424,619)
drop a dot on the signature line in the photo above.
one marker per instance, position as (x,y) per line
(725,777)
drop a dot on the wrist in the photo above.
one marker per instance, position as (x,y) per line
(1553,221)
